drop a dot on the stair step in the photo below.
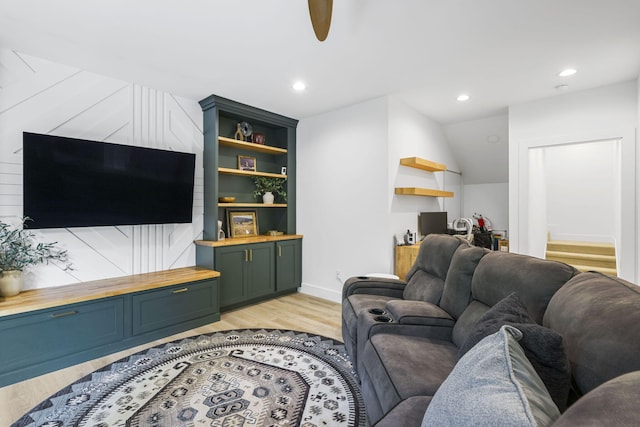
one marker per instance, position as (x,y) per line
(607,261)
(581,247)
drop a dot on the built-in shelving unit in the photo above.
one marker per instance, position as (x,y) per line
(268,264)
(425,165)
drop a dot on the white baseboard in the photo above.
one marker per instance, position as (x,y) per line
(324,293)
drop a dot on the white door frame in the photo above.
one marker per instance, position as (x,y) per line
(628,216)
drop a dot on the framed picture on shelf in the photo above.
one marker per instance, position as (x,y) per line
(242,223)
(246,163)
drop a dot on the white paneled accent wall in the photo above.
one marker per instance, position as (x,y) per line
(43,97)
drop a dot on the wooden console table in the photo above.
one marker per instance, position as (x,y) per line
(42,330)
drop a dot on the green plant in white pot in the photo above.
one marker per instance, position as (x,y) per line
(270,188)
(19,250)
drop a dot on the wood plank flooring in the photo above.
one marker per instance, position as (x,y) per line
(296,312)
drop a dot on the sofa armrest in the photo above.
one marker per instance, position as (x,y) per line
(418,313)
(614,403)
(373,286)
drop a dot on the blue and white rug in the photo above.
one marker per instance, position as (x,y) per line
(225,379)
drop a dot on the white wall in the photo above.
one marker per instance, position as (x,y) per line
(342,208)
(598,114)
(44,97)
(348,166)
(489,200)
(411,134)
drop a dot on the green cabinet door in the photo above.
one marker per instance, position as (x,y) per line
(260,277)
(288,265)
(247,272)
(230,262)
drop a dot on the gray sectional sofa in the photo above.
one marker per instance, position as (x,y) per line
(432,349)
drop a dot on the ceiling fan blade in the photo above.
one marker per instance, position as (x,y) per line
(320,12)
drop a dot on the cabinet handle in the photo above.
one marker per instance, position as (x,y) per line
(179,291)
(250,254)
(246,255)
(279,250)
(67,313)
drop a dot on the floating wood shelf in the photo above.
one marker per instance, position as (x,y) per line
(250,173)
(426,165)
(413,191)
(252,205)
(229,142)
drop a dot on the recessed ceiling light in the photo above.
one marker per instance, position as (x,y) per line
(463,97)
(299,86)
(568,72)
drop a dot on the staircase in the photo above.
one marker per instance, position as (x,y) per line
(584,256)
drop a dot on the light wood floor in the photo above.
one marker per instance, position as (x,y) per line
(297,312)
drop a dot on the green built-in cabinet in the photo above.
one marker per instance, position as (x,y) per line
(223,177)
(47,329)
(263,266)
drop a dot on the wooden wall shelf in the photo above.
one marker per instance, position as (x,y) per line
(413,191)
(240,172)
(229,142)
(426,165)
(252,205)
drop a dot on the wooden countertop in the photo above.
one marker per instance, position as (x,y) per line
(247,240)
(37,299)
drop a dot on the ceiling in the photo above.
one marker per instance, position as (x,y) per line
(426,52)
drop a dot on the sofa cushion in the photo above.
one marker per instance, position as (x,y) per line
(492,385)
(425,279)
(397,367)
(534,280)
(599,318)
(542,346)
(456,294)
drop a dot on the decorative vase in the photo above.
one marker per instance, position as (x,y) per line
(267,198)
(10,283)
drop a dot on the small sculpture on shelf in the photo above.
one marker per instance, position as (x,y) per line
(243,131)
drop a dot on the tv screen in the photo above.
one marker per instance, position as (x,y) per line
(433,223)
(79,183)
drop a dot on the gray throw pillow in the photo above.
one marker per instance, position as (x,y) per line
(542,346)
(493,385)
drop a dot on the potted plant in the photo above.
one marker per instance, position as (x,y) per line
(269,188)
(18,250)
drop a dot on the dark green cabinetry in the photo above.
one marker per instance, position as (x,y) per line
(42,340)
(63,331)
(162,308)
(257,267)
(247,273)
(288,265)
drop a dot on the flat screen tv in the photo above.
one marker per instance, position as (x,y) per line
(79,183)
(432,223)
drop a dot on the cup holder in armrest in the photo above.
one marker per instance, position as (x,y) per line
(383,319)
(377,311)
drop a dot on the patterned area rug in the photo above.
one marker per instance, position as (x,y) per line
(224,379)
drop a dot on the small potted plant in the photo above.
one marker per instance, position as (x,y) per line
(269,188)
(18,250)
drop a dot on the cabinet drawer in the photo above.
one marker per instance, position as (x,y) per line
(45,335)
(172,305)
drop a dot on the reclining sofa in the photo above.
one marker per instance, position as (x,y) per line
(430,350)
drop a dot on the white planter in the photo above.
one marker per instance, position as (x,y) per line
(267,198)
(10,283)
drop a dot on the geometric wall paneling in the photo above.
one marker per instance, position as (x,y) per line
(40,96)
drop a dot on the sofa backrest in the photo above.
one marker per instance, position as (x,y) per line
(456,294)
(425,279)
(598,317)
(499,274)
